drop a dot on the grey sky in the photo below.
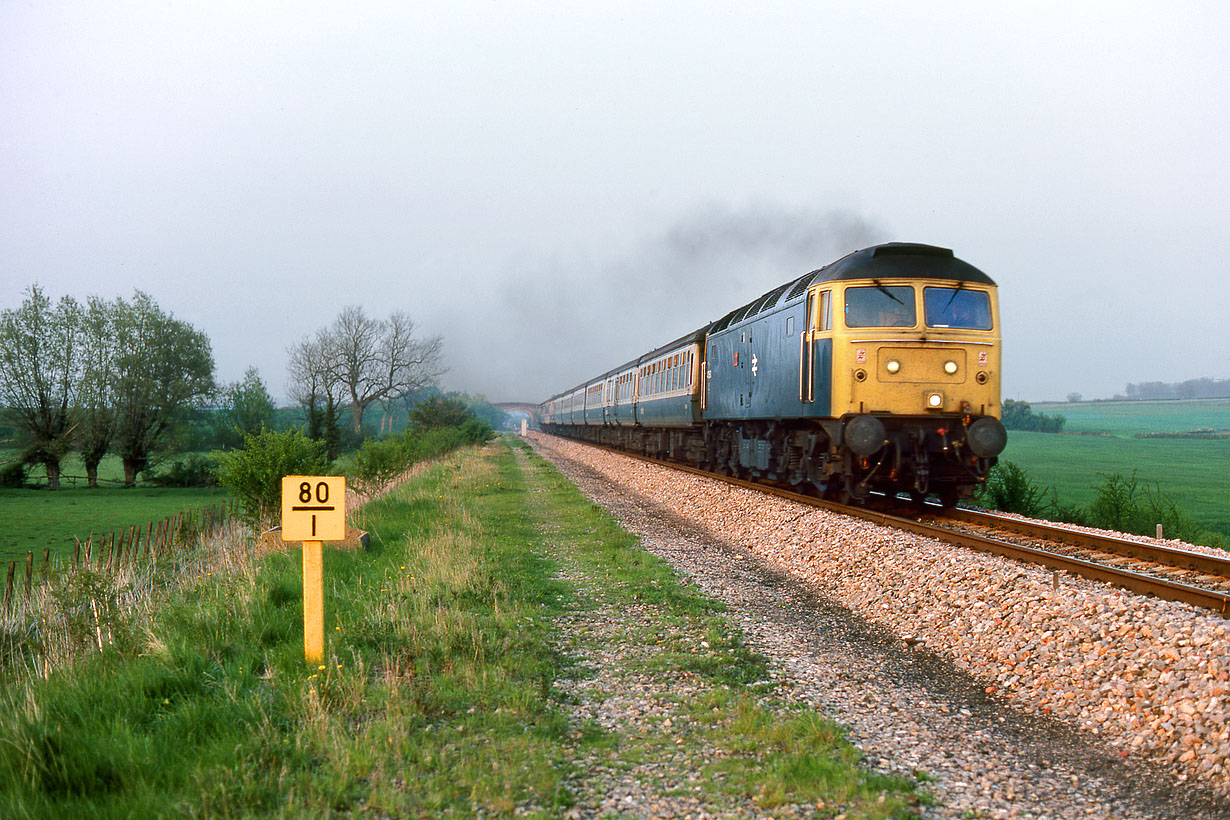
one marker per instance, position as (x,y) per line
(555,188)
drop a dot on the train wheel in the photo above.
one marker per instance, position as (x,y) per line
(949,496)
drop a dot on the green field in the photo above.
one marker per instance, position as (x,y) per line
(1195,473)
(37,519)
(1128,418)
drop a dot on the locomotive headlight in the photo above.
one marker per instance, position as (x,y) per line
(892,366)
(935,400)
(950,367)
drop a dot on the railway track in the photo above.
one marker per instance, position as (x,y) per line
(1151,569)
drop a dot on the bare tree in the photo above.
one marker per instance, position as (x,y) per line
(40,371)
(375,360)
(312,384)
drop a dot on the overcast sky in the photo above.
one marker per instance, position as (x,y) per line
(557,187)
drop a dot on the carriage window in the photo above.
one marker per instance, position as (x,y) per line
(880,306)
(956,307)
(789,325)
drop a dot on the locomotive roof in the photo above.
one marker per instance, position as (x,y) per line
(893,260)
(902,260)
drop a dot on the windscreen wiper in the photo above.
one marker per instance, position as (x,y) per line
(955,291)
(886,291)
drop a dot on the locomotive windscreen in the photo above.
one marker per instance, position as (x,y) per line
(880,306)
(956,307)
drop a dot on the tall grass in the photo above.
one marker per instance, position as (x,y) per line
(437,696)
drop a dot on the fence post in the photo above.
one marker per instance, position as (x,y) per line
(89,548)
(29,573)
(8,588)
(77,552)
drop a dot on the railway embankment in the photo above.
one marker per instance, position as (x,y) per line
(501,649)
(1099,693)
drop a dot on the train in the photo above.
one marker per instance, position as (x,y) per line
(878,373)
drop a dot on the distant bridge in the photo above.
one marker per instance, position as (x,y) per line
(530,410)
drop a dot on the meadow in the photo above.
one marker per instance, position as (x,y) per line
(37,518)
(1129,418)
(1101,438)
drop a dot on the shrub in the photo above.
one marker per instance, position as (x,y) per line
(1123,504)
(379,461)
(13,475)
(1018,415)
(439,411)
(192,471)
(254,474)
(1008,488)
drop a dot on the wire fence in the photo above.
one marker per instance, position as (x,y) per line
(107,553)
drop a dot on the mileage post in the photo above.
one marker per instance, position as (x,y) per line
(313,511)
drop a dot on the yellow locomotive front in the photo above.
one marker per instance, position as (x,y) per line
(915,382)
(916,347)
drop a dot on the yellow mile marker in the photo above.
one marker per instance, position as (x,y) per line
(313,510)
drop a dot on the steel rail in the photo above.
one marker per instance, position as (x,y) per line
(1157,553)
(1125,579)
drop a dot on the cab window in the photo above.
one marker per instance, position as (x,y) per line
(956,307)
(880,306)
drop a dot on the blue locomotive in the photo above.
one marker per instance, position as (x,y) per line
(878,372)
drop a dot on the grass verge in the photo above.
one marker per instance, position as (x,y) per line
(440,694)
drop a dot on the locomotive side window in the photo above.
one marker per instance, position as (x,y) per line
(880,306)
(820,310)
(957,307)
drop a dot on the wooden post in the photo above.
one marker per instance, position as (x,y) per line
(8,588)
(89,548)
(46,561)
(77,552)
(313,603)
(29,573)
(149,534)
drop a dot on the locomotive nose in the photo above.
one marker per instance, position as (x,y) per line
(986,437)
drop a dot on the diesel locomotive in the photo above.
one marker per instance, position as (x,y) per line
(879,372)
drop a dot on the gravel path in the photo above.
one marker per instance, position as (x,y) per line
(829,599)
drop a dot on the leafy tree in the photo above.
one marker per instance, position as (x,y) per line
(164,366)
(40,373)
(1018,415)
(96,397)
(249,406)
(254,472)
(439,411)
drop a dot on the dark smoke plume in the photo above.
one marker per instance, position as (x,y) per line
(560,322)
